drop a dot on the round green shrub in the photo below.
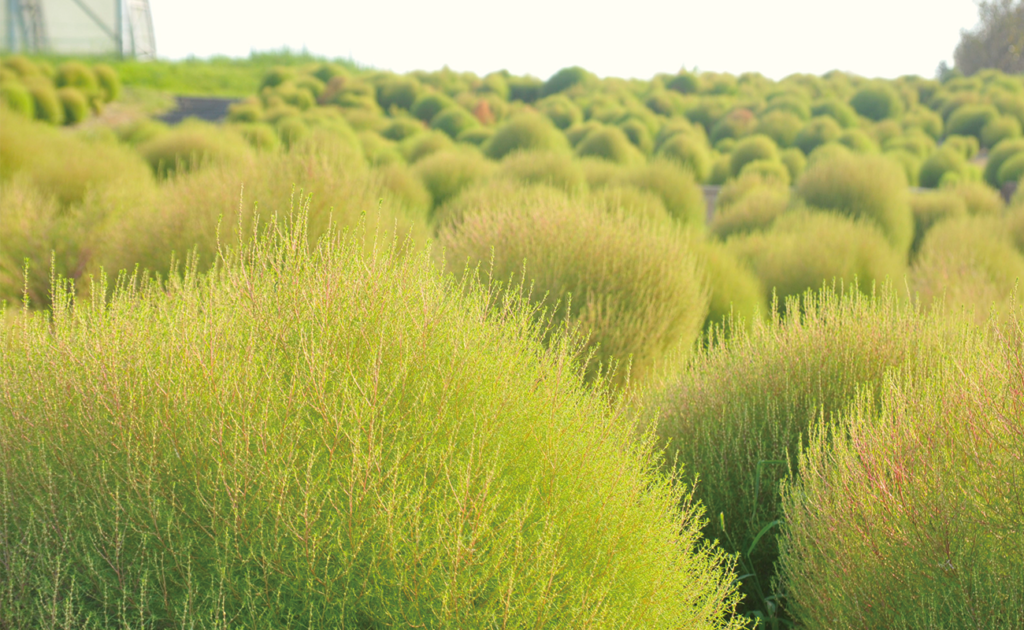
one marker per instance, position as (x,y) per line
(296,96)
(828,151)
(739,187)
(277,112)
(737,297)
(857,141)
(77,75)
(578,132)
(719,170)
(707,110)
(109,81)
(790,103)
(402,128)
(524,132)
(981,200)
(682,195)
(453,121)
(753,210)
(399,92)
(192,145)
(565,79)
(21,65)
(609,143)
(626,200)
(684,83)
(930,207)
(276,76)
(446,173)
(795,161)
(76,106)
(245,112)
(429,104)
(999,129)
(884,130)
(562,111)
(141,130)
(877,101)
(259,135)
(526,89)
(918,144)
(999,154)
(690,152)
(310,84)
(639,135)
(768,169)
(379,151)
(943,161)
(559,170)
(868,187)
(675,126)
(1012,170)
(17,98)
(817,132)
(725,145)
(879,466)
(780,126)
(970,119)
(476,136)
(926,120)
(735,124)
(404,186)
(837,110)
(420,146)
(636,290)
(48,105)
(292,130)
(750,149)
(910,163)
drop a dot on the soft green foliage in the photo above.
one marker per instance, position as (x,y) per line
(559,170)
(735,124)
(754,210)
(877,101)
(76,106)
(767,169)
(682,196)
(109,82)
(737,297)
(911,164)
(77,75)
(16,98)
(967,146)
(981,200)
(1012,170)
(925,120)
(561,110)
(820,130)
(523,132)
(419,146)
(446,173)
(398,92)
(858,141)
(968,263)
(789,103)
(780,126)
(48,107)
(930,207)
(903,515)
(429,104)
(639,134)
(689,151)
(836,109)
(970,119)
(916,143)
(609,143)
(999,154)
(804,249)
(869,187)
(192,145)
(632,288)
(565,79)
(684,83)
(526,89)
(453,121)
(259,135)
(752,148)
(999,129)
(795,161)
(736,415)
(355,480)
(402,128)
(626,200)
(945,160)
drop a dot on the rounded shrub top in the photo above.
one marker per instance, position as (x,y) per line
(609,143)
(999,154)
(735,124)
(453,121)
(877,101)
(398,91)
(676,186)
(970,119)
(684,83)
(780,126)
(429,104)
(817,132)
(559,170)
(76,105)
(836,109)
(869,187)
(858,141)
(999,129)
(945,160)
(525,131)
(16,97)
(565,79)
(109,81)
(77,75)
(561,110)
(756,147)
(691,152)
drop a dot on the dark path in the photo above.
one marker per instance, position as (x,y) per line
(204,108)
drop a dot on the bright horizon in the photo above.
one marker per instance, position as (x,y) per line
(879,38)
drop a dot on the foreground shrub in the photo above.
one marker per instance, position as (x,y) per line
(47,103)
(909,497)
(968,263)
(609,143)
(981,200)
(1012,170)
(397,469)
(632,288)
(804,250)
(862,187)
(737,414)
(525,132)
(16,98)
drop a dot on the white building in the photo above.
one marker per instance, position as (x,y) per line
(78,27)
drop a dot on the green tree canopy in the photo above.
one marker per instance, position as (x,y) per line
(997,41)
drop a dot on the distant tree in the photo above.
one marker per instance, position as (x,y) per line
(997,41)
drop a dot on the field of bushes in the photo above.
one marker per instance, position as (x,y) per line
(441,350)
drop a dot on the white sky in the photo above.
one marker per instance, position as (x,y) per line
(637,38)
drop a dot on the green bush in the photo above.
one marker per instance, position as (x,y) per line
(681,194)
(565,79)
(76,106)
(818,131)
(454,121)
(780,126)
(981,200)
(690,152)
(476,136)
(737,297)
(638,134)
(109,81)
(447,173)
(750,149)
(562,111)
(735,124)
(870,187)
(311,84)
(837,110)
(609,143)
(925,120)
(877,101)
(402,128)
(276,76)
(795,161)
(911,165)
(945,160)
(736,415)
(768,169)
(194,144)
(999,129)
(526,89)
(748,210)
(789,103)
(999,154)
(16,97)
(21,65)
(379,150)
(1012,170)
(967,146)
(633,289)
(907,497)
(429,104)
(245,112)
(525,131)
(970,119)
(919,144)
(857,141)
(234,508)
(684,83)
(48,105)
(399,92)
(559,170)
(77,75)
(626,200)
(420,146)
(930,207)
(404,187)
(292,130)
(259,135)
